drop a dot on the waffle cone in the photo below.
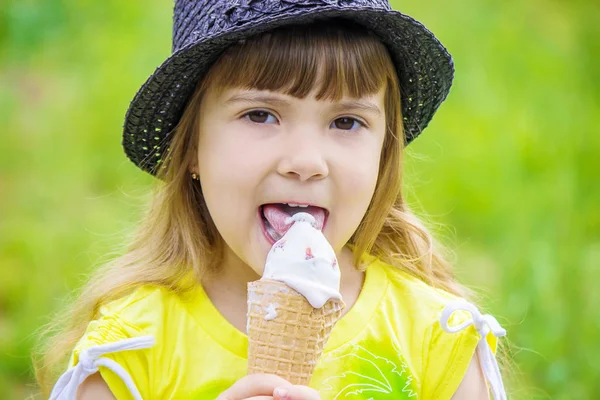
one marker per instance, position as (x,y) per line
(290,344)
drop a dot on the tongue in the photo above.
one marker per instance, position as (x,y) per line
(277,214)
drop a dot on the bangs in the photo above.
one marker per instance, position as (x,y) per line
(336,58)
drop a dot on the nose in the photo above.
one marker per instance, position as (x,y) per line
(303,158)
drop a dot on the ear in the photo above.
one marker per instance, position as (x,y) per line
(193,164)
(193,168)
(193,159)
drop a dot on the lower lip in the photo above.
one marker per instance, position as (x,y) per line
(264,228)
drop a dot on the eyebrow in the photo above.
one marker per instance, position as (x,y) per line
(276,101)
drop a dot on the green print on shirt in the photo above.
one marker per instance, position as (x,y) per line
(354,372)
(350,372)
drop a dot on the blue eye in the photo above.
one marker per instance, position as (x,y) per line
(347,123)
(260,117)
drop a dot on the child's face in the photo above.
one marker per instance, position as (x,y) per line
(259,147)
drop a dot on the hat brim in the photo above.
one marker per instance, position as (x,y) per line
(424,66)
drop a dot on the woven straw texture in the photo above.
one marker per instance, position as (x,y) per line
(291,344)
(202,30)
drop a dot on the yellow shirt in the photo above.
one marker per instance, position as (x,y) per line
(390,345)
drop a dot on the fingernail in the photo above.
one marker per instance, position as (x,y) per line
(281,393)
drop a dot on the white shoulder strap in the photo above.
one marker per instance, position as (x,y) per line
(91,359)
(484,325)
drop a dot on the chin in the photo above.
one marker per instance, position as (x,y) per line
(256,257)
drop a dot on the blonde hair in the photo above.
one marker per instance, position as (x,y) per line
(177,235)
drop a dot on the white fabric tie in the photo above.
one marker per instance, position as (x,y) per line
(91,359)
(484,324)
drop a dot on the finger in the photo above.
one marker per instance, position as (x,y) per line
(260,398)
(254,385)
(297,392)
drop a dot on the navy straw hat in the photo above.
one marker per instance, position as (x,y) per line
(203,29)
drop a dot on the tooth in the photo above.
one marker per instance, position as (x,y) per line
(303,206)
(293,205)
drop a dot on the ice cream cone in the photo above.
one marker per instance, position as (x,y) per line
(286,334)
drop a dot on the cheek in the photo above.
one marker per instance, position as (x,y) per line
(226,162)
(226,182)
(360,187)
(230,174)
(230,151)
(356,186)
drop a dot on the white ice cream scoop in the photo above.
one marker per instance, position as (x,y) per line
(305,261)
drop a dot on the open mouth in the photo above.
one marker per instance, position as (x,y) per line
(274,216)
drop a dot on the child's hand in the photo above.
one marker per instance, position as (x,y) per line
(267,387)
(259,386)
(297,392)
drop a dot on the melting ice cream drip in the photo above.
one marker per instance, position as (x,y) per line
(271,311)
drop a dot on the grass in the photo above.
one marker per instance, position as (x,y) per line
(508,167)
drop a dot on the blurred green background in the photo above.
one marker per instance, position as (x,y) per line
(509,167)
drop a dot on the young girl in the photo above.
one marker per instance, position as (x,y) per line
(278,105)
